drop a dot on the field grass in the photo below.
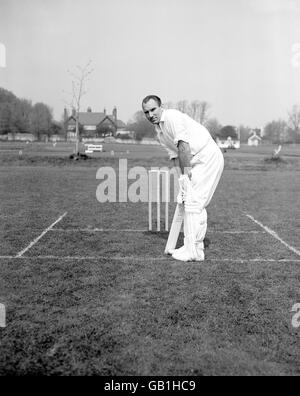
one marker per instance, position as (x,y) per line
(95,296)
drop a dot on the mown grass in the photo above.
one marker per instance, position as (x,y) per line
(146,314)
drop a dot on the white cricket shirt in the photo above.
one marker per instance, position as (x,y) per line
(175,126)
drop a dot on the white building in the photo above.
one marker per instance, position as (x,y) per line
(254,140)
(228,143)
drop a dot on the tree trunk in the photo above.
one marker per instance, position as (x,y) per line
(77,135)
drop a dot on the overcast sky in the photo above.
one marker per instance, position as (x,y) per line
(235,54)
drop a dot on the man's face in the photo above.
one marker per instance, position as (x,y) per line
(152,111)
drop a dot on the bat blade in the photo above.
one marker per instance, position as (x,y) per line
(175,228)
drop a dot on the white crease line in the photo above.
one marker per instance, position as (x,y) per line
(20,254)
(275,235)
(132,230)
(162,258)
(95,230)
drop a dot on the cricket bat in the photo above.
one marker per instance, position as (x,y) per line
(175,228)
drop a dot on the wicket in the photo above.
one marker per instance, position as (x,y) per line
(166,183)
(2,315)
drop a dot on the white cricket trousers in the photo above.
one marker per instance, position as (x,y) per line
(207,169)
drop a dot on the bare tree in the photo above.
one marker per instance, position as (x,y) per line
(294,123)
(203,112)
(275,131)
(195,109)
(183,106)
(214,127)
(169,105)
(294,118)
(199,111)
(79,80)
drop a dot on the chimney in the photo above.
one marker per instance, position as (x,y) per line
(65,115)
(104,111)
(73,112)
(115,114)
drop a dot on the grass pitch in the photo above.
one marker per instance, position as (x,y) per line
(96,296)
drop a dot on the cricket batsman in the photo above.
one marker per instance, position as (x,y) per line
(189,145)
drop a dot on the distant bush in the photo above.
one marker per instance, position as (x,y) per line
(123,136)
(275,159)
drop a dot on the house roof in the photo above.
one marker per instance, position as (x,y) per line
(121,124)
(254,137)
(90,118)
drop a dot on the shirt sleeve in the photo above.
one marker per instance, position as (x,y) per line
(178,127)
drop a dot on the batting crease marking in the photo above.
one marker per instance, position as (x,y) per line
(20,254)
(274,235)
(133,230)
(138,258)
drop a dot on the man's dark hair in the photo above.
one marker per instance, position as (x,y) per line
(153,97)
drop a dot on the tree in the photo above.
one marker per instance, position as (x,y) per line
(194,110)
(41,119)
(22,112)
(275,131)
(20,116)
(5,118)
(56,128)
(228,131)
(214,127)
(79,80)
(7,96)
(183,106)
(294,124)
(141,126)
(203,112)
(244,132)
(10,113)
(105,130)
(169,105)
(199,111)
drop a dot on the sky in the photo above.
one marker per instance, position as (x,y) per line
(235,54)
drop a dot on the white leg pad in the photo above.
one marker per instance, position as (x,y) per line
(195,226)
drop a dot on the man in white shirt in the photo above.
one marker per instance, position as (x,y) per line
(201,163)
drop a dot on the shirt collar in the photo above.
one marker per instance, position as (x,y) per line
(162,118)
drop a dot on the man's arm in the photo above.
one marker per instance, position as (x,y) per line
(184,156)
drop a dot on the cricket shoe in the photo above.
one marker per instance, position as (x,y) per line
(185,255)
(206,243)
(179,250)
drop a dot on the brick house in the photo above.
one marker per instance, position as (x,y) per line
(92,124)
